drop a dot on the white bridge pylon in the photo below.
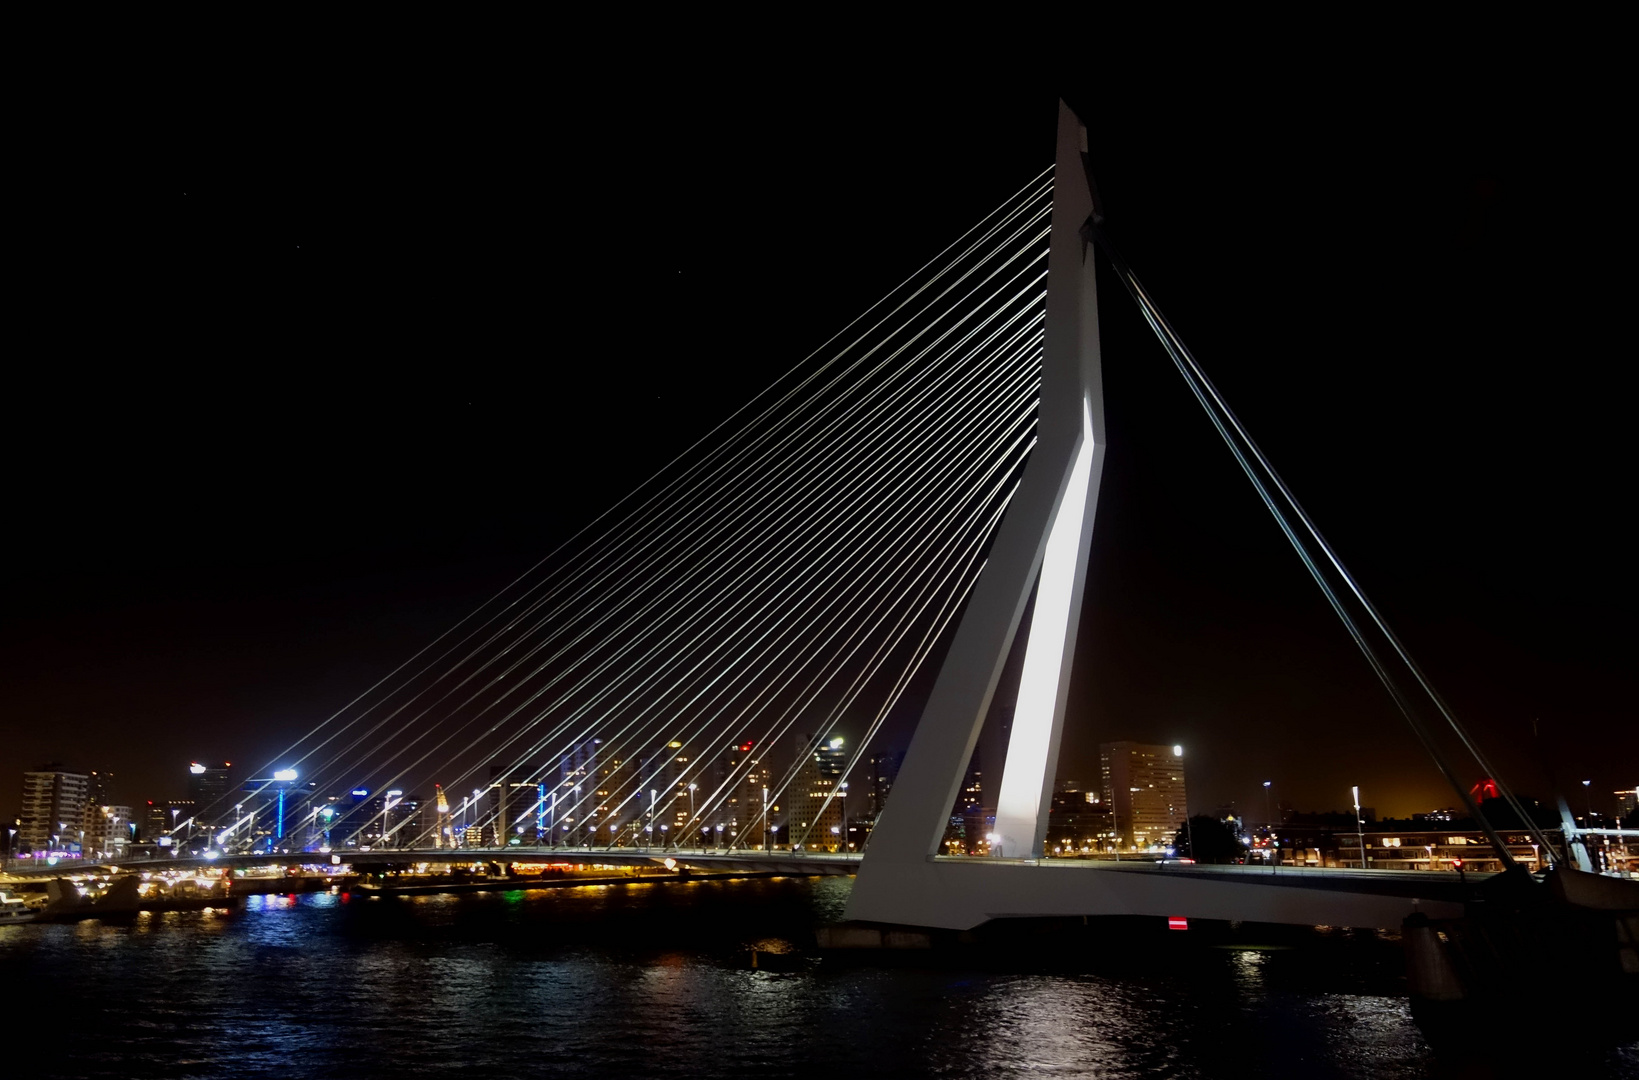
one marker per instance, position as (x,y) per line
(1042,544)
(1043,538)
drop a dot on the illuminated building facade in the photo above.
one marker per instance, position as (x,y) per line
(818,794)
(572,806)
(1078,822)
(733,787)
(444,828)
(114,832)
(1406,849)
(1143,786)
(664,791)
(54,802)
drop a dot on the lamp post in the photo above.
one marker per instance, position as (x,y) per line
(1359,827)
(719,834)
(1189,828)
(1269,824)
(476,793)
(765,818)
(776,830)
(1587,787)
(653,794)
(691,805)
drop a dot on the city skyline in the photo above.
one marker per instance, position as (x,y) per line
(291,552)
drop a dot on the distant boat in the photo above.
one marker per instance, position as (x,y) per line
(15,910)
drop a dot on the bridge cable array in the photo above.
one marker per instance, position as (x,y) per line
(1337,584)
(787,575)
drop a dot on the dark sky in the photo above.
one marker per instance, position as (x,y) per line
(352,349)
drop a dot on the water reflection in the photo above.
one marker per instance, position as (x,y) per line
(655,981)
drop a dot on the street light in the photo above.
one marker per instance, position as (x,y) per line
(1587,786)
(719,835)
(1359,827)
(765,817)
(1269,827)
(1189,828)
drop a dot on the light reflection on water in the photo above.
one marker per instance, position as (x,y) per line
(655,980)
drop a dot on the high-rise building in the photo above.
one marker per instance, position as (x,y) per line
(573,804)
(1143,786)
(160,818)
(443,828)
(818,794)
(612,805)
(664,791)
(402,821)
(513,797)
(1626,802)
(54,802)
(99,786)
(884,770)
(733,808)
(208,787)
(114,832)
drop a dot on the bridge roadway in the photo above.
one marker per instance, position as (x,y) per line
(978,889)
(803,863)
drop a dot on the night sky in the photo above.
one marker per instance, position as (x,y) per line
(353,352)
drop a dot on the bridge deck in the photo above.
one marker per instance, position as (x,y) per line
(961,893)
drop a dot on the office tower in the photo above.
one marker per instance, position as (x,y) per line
(818,794)
(208,787)
(1143,786)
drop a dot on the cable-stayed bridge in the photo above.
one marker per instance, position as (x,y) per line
(875,529)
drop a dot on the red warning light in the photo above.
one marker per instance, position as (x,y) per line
(745,746)
(1177,922)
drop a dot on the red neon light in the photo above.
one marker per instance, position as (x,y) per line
(1177,922)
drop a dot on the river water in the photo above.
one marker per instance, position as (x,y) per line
(656,980)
